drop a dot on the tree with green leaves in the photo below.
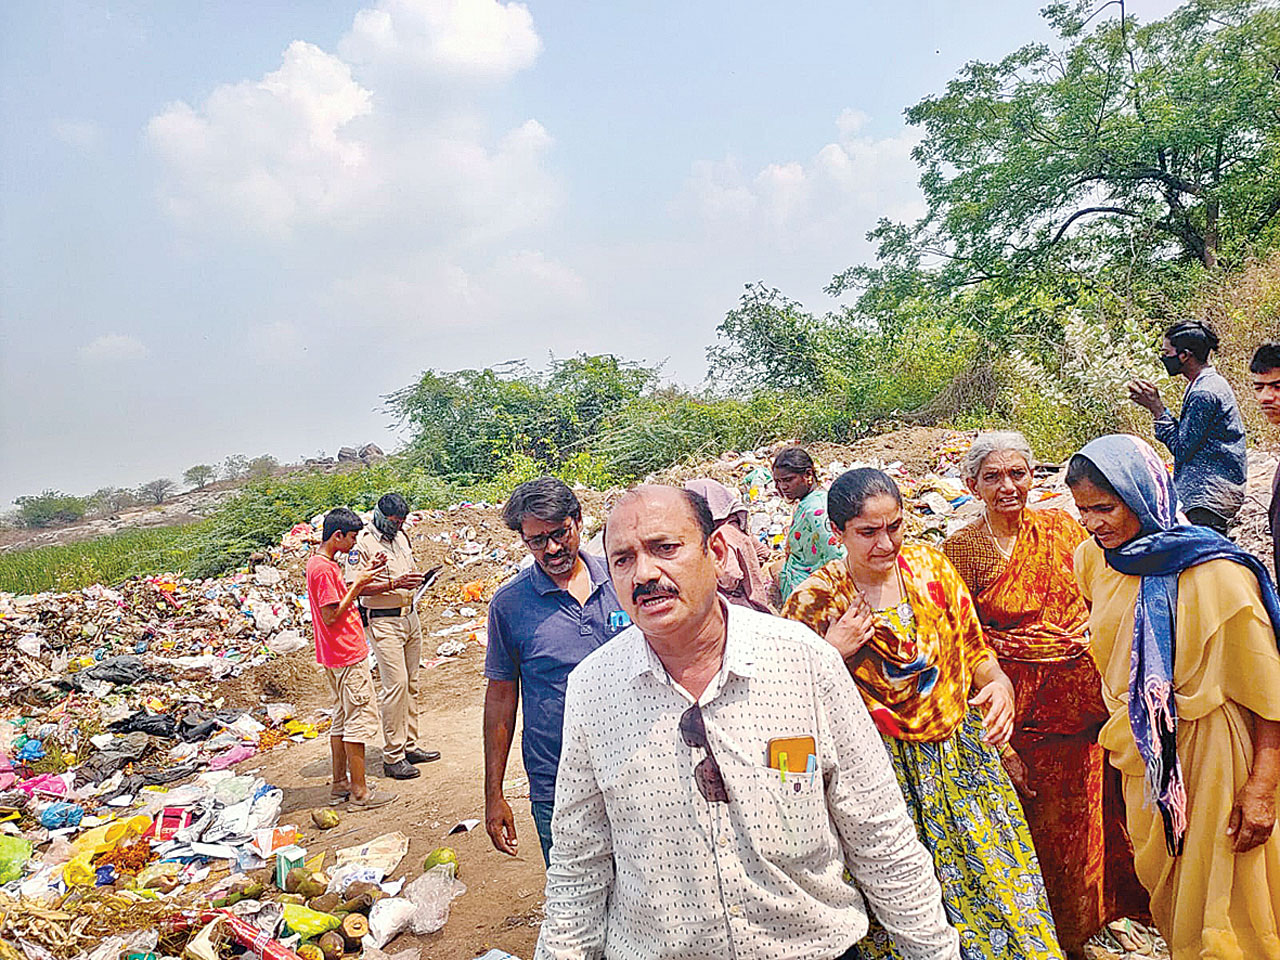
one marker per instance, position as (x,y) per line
(259,468)
(770,342)
(155,491)
(1128,158)
(472,423)
(108,500)
(200,475)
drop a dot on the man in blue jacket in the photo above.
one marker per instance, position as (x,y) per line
(1207,438)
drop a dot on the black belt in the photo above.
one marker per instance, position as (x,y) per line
(389,612)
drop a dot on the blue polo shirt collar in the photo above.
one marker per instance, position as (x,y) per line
(595,569)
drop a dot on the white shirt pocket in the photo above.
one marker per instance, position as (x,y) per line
(789,820)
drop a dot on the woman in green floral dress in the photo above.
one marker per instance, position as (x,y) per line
(811,542)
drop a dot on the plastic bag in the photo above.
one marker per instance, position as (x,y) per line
(349,873)
(387,919)
(58,815)
(431,894)
(266,809)
(310,923)
(14,854)
(383,853)
(286,641)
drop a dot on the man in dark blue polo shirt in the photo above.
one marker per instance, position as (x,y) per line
(542,623)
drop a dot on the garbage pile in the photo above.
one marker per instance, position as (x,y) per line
(937,502)
(207,865)
(124,824)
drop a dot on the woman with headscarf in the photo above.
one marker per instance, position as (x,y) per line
(905,624)
(1183,626)
(739,580)
(1017,563)
(810,540)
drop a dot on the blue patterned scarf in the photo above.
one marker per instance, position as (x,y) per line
(1165,547)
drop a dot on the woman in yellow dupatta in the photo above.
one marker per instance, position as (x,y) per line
(905,624)
(1018,562)
(1183,626)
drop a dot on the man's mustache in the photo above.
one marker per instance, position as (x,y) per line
(652,588)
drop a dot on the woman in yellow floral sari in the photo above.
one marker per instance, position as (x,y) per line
(1017,563)
(906,626)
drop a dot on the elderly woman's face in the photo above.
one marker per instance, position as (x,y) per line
(1003,482)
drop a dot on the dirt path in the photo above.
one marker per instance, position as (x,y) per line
(503,902)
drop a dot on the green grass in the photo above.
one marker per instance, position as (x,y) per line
(104,560)
(252,520)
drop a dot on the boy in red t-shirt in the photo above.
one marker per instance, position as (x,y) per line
(342,651)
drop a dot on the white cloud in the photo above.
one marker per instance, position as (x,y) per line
(113,348)
(81,134)
(416,299)
(358,151)
(820,207)
(266,154)
(468,39)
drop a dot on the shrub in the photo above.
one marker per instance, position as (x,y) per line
(49,508)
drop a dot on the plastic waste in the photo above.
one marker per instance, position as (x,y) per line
(58,815)
(431,894)
(14,854)
(286,641)
(389,917)
(310,923)
(350,873)
(382,853)
(231,758)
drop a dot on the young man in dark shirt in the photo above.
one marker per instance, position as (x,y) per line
(1265,370)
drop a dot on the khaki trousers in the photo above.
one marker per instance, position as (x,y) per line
(397,646)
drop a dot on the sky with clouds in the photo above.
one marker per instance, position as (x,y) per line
(232,227)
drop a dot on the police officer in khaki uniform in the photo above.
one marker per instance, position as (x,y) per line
(392,626)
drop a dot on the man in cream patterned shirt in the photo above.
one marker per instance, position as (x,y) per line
(677,835)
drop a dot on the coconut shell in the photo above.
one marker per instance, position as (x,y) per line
(293,880)
(325,903)
(332,945)
(313,885)
(354,927)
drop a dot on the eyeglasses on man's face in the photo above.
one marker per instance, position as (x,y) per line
(540,541)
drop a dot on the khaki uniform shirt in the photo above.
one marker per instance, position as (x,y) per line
(369,543)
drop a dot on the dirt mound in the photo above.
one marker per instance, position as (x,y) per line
(292,678)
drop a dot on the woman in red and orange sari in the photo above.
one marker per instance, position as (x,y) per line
(1017,563)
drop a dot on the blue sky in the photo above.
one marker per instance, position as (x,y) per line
(231,227)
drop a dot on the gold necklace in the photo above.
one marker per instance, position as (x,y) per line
(1007,554)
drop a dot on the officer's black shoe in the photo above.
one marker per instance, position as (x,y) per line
(400,770)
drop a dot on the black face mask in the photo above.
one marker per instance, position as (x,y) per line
(1173,365)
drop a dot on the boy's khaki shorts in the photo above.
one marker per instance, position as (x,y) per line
(355,711)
